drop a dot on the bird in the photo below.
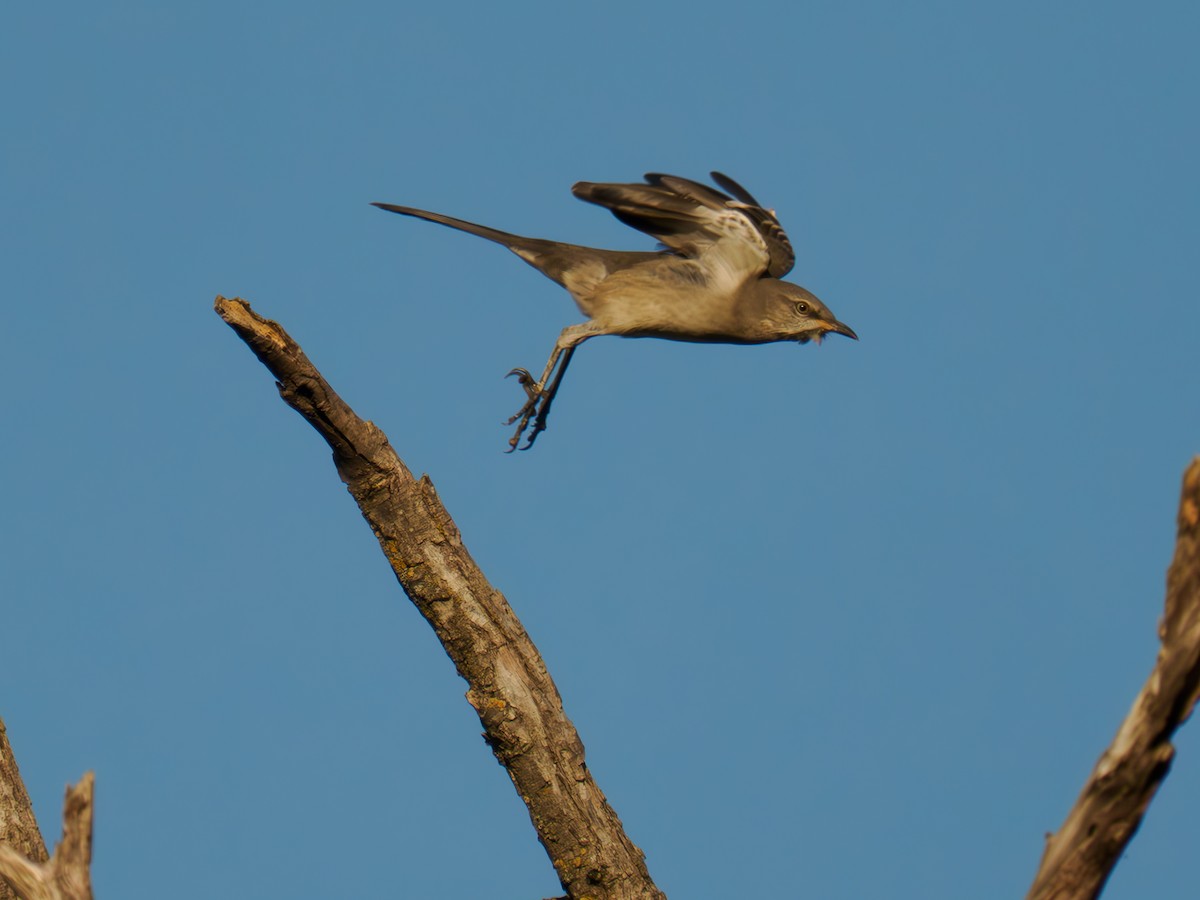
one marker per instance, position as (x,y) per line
(716,277)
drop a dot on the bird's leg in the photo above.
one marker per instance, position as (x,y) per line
(539,424)
(540,394)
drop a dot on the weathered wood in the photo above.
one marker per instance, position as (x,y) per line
(67,875)
(509,687)
(1079,858)
(18,827)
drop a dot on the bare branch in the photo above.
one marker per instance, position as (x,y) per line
(509,687)
(1079,858)
(67,876)
(18,826)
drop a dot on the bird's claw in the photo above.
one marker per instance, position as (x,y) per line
(533,394)
(533,390)
(539,395)
(516,438)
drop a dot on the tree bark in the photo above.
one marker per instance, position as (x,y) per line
(511,691)
(1079,858)
(67,875)
(18,827)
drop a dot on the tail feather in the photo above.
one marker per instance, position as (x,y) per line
(556,260)
(491,234)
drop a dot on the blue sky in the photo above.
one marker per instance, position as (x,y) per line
(842,621)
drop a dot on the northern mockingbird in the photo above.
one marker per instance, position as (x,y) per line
(716,281)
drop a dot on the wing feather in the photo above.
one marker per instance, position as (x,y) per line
(734,188)
(694,219)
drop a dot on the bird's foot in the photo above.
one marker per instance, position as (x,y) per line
(533,398)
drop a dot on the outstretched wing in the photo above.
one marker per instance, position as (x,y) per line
(694,219)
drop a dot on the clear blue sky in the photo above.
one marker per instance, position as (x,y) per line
(848,621)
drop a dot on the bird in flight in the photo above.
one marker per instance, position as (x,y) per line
(716,280)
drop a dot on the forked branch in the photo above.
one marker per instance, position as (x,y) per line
(67,874)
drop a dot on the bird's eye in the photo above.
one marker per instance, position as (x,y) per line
(802,307)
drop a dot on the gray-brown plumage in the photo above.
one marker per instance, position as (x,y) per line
(716,282)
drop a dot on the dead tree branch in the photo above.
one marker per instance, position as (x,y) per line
(67,875)
(509,687)
(1079,858)
(18,826)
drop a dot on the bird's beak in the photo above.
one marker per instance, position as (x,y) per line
(837,327)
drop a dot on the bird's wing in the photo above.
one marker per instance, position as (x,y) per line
(735,233)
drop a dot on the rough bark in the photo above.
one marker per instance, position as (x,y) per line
(509,687)
(1079,858)
(67,875)
(18,827)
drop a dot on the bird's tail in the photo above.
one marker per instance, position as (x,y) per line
(555,260)
(491,234)
(538,253)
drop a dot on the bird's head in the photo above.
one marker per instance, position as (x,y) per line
(795,314)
